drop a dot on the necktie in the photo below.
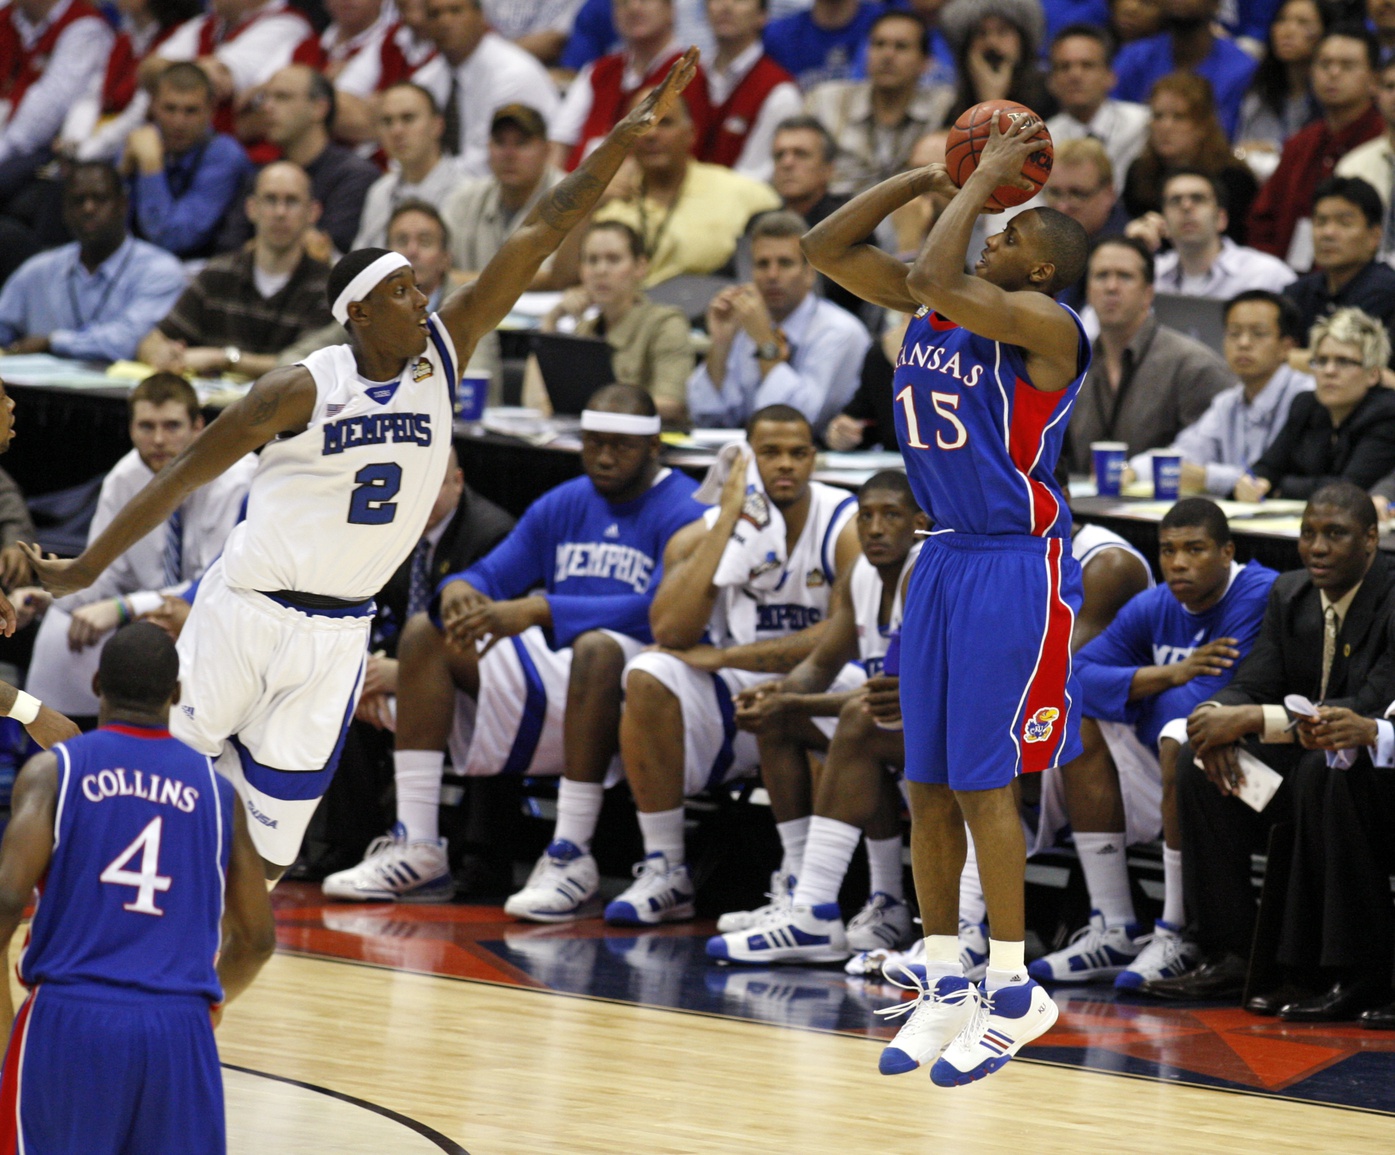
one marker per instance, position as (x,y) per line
(1387,234)
(174,549)
(1329,647)
(450,139)
(419,587)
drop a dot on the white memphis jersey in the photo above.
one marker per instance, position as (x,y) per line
(1090,540)
(866,591)
(743,615)
(335,509)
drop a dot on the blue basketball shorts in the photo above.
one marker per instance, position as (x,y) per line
(986,686)
(111,1071)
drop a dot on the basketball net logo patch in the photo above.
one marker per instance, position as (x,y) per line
(1039,726)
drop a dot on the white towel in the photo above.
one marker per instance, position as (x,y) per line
(755,555)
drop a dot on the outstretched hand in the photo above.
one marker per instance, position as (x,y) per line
(1005,153)
(57,575)
(654,107)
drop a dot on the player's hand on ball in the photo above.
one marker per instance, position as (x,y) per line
(51,727)
(939,183)
(57,575)
(1006,152)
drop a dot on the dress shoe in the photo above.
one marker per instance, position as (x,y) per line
(1346,999)
(1222,978)
(1273,1001)
(1380,1019)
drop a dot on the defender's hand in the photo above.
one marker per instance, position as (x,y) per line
(654,107)
(57,575)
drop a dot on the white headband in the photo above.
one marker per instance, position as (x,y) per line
(594,421)
(367,280)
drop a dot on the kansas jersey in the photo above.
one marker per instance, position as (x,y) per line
(1155,629)
(133,896)
(335,509)
(744,615)
(866,592)
(980,441)
(598,561)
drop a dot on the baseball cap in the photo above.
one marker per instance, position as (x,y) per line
(523,117)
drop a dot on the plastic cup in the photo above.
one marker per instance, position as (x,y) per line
(471,395)
(1167,476)
(1110,457)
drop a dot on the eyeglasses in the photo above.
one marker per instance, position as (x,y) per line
(1321,363)
(1077,195)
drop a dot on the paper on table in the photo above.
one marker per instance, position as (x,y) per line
(1261,782)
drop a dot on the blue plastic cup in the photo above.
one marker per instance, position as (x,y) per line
(1109,458)
(471,395)
(1167,476)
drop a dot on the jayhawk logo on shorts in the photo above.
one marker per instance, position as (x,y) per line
(1039,726)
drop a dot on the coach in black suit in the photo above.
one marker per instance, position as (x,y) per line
(1334,613)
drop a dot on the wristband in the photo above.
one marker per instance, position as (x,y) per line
(123,612)
(25,709)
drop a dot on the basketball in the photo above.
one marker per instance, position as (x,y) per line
(969,136)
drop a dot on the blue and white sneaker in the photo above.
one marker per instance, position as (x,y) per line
(883,923)
(396,870)
(1168,955)
(780,893)
(1093,953)
(937,1014)
(1002,1023)
(563,886)
(796,934)
(659,893)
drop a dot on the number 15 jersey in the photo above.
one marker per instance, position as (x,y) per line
(980,441)
(335,509)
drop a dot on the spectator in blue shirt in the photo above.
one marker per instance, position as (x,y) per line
(821,43)
(97,297)
(1187,44)
(182,175)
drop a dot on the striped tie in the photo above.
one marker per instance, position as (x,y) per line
(174,549)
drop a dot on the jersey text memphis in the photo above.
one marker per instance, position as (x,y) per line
(335,509)
(979,440)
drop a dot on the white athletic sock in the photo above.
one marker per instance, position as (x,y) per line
(826,857)
(884,865)
(794,834)
(942,957)
(663,831)
(973,907)
(1106,870)
(578,810)
(1007,964)
(1174,907)
(418,777)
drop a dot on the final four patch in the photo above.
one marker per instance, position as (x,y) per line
(421,370)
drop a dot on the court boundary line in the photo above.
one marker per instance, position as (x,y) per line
(448,1145)
(1268,1096)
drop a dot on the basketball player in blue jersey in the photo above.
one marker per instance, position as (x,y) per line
(356,438)
(153,914)
(984,383)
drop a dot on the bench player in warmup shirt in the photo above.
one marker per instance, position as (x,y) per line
(531,681)
(984,384)
(678,734)
(356,439)
(855,792)
(153,913)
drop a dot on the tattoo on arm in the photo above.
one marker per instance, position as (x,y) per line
(570,201)
(262,405)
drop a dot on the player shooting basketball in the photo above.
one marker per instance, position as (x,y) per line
(984,384)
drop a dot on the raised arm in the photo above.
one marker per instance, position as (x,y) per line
(281,402)
(477,308)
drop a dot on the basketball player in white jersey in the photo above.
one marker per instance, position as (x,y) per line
(356,441)
(855,792)
(678,734)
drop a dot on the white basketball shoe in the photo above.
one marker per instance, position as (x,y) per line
(882,924)
(562,888)
(659,893)
(396,870)
(780,893)
(938,1013)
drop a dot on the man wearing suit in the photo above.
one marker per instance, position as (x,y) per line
(1326,635)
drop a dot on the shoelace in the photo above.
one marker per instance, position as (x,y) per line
(923,992)
(973,1030)
(382,843)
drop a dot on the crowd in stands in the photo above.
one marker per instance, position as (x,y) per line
(176,185)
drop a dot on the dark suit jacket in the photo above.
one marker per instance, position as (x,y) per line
(1287,655)
(476,527)
(1307,453)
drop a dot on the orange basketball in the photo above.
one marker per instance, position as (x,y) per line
(969,136)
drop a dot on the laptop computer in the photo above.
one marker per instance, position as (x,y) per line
(572,369)
(1198,317)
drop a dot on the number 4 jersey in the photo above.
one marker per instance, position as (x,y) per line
(335,509)
(980,441)
(133,896)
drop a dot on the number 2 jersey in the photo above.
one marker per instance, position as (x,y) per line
(335,509)
(133,896)
(980,441)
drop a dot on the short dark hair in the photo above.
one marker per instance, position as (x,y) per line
(629,399)
(903,14)
(115,184)
(806,123)
(1290,317)
(1353,190)
(347,268)
(425,93)
(1128,243)
(1349,498)
(890,481)
(1067,246)
(322,89)
(633,241)
(185,76)
(779,414)
(1096,32)
(162,388)
(139,668)
(427,209)
(1202,513)
(1355,30)
(1218,189)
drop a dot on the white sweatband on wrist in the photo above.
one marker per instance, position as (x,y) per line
(25,709)
(595,421)
(366,281)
